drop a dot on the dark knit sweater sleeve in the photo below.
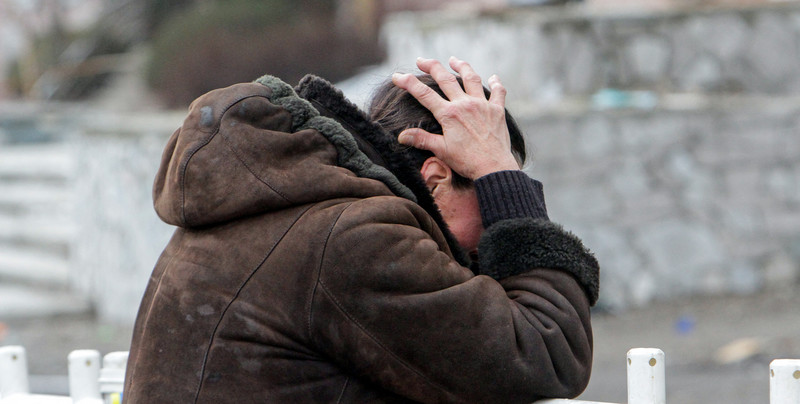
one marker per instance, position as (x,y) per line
(519,236)
(509,195)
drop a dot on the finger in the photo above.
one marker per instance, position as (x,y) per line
(498,91)
(424,94)
(473,84)
(447,81)
(422,139)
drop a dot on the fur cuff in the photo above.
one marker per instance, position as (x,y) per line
(516,246)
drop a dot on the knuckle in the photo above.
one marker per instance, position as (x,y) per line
(447,78)
(471,77)
(401,78)
(499,89)
(425,92)
(420,142)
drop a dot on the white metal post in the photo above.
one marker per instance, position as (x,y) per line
(84,370)
(13,371)
(784,381)
(112,376)
(646,376)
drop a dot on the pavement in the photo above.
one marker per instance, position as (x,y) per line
(718,349)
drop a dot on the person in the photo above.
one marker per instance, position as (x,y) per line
(317,258)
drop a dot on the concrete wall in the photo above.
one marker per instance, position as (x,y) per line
(119,235)
(668,140)
(77,225)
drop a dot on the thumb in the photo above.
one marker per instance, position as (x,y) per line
(421,139)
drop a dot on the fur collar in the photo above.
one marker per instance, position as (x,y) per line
(381,148)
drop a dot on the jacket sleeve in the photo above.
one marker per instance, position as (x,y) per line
(392,306)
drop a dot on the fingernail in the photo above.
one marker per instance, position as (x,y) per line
(396,76)
(403,138)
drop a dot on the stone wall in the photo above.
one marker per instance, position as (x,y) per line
(552,53)
(677,202)
(668,140)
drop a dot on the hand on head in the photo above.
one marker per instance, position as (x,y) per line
(475,139)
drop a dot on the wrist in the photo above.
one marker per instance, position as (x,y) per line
(495,167)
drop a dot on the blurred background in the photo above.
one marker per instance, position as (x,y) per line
(666,133)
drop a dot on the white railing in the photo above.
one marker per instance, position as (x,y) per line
(646,379)
(91,383)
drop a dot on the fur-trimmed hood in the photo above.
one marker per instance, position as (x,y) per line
(258,147)
(378,145)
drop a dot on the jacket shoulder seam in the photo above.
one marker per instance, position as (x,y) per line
(247,166)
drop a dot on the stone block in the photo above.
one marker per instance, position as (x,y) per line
(533,68)
(647,134)
(684,46)
(781,271)
(629,179)
(700,190)
(703,72)
(653,207)
(619,265)
(595,136)
(782,223)
(744,182)
(783,184)
(744,278)
(643,288)
(741,219)
(680,251)
(649,57)
(721,34)
(679,165)
(772,50)
(581,202)
(549,139)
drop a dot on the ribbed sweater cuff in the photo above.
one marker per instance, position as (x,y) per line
(509,195)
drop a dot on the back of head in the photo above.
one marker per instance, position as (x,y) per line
(396,110)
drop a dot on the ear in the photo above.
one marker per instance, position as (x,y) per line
(435,173)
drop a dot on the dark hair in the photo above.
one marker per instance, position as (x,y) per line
(394,109)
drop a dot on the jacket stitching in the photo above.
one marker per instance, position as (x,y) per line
(319,267)
(238,157)
(236,296)
(152,302)
(377,341)
(184,165)
(344,388)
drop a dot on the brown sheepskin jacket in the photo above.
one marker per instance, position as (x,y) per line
(310,264)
